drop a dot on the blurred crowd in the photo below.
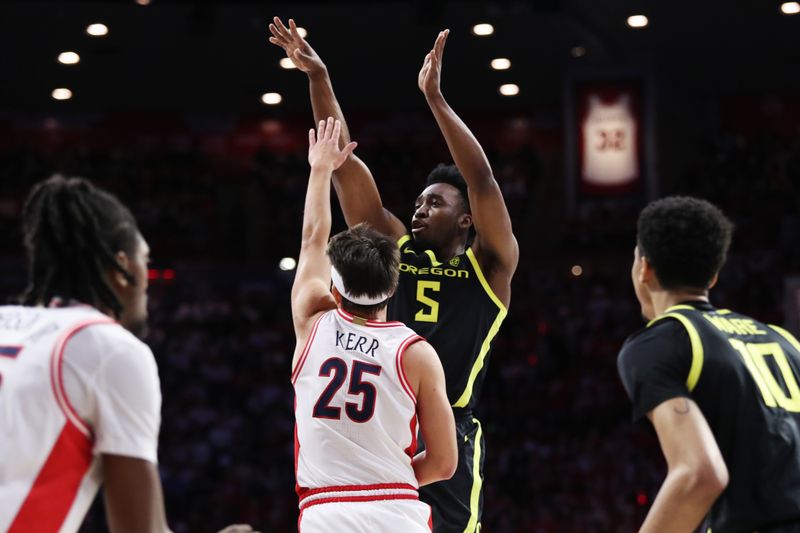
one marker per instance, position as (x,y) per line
(562,453)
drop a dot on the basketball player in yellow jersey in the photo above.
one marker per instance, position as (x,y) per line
(454,289)
(721,389)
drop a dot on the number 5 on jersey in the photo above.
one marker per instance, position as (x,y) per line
(431,314)
(9,352)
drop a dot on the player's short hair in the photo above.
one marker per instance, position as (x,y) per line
(452,176)
(369,263)
(72,231)
(685,239)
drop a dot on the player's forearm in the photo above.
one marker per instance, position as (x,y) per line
(682,502)
(464,147)
(355,187)
(317,209)
(324,103)
(430,469)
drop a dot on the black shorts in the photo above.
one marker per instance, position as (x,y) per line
(457,503)
(793,527)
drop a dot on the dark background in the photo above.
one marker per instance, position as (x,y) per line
(167,114)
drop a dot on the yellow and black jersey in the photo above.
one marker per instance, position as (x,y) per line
(451,305)
(744,377)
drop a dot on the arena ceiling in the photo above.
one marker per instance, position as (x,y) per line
(214,56)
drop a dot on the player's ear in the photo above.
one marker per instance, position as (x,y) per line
(119,279)
(336,296)
(646,274)
(713,281)
(465,221)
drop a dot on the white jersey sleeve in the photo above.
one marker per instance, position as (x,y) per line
(111,381)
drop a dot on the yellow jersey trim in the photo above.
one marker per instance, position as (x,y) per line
(679,307)
(786,335)
(432,255)
(402,240)
(463,400)
(694,339)
(482,279)
(477,482)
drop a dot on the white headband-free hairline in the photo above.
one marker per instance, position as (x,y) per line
(338,282)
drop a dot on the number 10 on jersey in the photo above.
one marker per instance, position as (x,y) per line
(755,358)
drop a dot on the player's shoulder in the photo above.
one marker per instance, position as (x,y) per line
(663,335)
(111,340)
(419,352)
(406,242)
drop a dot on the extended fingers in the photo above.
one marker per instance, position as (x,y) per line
(337,129)
(281,28)
(277,38)
(438,47)
(312,138)
(329,127)
(293,30)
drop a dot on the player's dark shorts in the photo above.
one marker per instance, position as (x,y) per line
(457,503)
(793,527)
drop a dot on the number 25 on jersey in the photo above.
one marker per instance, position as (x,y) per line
(337,369)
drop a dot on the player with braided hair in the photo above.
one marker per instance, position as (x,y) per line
(80,400)
(70,231)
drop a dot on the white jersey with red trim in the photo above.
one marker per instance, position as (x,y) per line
(355,412)
(74,384)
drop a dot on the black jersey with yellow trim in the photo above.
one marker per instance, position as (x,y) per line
(743,375)
(450,304)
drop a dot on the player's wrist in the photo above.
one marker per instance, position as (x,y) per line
(434,96)
(320,166)
(318,72)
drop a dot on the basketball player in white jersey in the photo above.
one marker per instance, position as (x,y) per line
(361,384)
(80,398)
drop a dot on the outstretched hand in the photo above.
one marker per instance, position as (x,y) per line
(297,49)
(430,76)
(323,146)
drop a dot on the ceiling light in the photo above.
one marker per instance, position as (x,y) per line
(97,29)
(271,98)
(578,51)
(637,21)
(143,2)
(790,8)
(501,63)
(302,32)
(509,89)
(62,93)
(483,29)
(287,63)
(287,263)
(68,58)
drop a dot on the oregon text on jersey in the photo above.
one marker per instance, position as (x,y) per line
(434,271)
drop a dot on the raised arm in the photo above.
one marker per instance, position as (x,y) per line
(495,245)
(355,186)
(426,377)
(311,289)
(696,474)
